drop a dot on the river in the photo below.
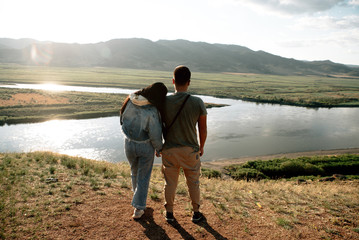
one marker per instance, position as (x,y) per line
(238,130)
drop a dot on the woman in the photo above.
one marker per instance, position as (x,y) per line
(141,125)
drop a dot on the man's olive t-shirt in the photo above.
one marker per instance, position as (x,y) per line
(183,132)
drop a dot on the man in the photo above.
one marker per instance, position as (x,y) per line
(181,148)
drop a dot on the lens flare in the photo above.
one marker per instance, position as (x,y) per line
(41,54)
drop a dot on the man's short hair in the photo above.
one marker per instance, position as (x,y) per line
(181,75)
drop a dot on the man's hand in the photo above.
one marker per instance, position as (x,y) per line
(202,129)
(158,153)
(201,151)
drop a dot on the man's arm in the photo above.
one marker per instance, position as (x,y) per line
(202,128)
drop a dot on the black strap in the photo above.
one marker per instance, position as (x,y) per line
(179,111)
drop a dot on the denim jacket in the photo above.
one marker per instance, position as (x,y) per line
(141,122)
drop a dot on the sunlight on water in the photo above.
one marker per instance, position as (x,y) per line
(240,129)
(50,87)
(51,133)
(57,87)
(99,139)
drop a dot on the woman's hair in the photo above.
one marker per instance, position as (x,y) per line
(124,104)
(155,94)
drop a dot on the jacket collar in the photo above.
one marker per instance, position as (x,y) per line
(139,100)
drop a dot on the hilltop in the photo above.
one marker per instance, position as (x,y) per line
(162,55)
(50,196)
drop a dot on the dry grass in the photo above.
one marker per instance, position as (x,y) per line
(32,98)
(45,194)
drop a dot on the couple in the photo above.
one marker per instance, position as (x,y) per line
(141,116)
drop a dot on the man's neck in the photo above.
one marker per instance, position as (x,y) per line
(182,91)
(181,88)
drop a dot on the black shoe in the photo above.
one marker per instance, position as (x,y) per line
(197,217)
(170,217)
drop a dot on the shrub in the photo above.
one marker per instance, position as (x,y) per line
(247,173)
(68,162)
(304,166)
(52,169)
(298,168)
(109,174)
(210,173)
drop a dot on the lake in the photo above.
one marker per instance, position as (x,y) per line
(238,130)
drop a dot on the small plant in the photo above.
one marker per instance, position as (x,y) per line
(154,196)
(284,223)
(78,201)
(109,174)
(181,189)
(52,170)
(86,171)
(125,174)
(94,184)
(155,189)
(220,206)
(124,184)
(235,210)
(68,162)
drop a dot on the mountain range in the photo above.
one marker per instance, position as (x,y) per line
(164,55)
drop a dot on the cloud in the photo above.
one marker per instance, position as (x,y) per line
(354,2)
(346,39)
(329,22)
(293,7)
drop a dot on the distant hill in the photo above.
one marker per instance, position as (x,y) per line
(162,55)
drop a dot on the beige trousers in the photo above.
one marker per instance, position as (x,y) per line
(172,160)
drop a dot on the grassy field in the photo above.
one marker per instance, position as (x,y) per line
(23,106)
(309,91)
(26,105)
(46,195)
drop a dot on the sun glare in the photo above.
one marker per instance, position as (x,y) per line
(50,87)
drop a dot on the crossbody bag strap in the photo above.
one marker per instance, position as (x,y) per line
(179,111)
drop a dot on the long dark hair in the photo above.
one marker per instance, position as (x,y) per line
(155,94)
(124,104)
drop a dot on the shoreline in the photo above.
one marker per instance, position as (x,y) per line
(221,163)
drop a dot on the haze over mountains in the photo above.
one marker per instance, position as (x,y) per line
(162,55)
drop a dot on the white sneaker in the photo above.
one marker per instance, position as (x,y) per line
(137,213)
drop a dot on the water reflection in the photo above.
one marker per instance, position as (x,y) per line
(241,129)
(98,139)
(56,87)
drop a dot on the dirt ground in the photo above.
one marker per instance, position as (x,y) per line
(108,216)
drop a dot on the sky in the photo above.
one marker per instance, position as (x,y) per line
(300,29)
